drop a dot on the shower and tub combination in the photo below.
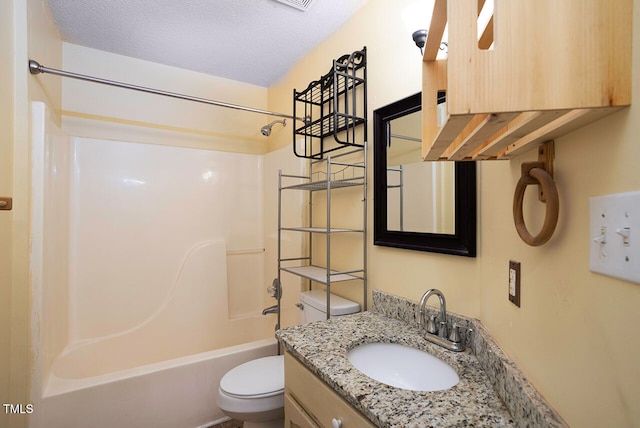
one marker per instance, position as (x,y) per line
(142,299)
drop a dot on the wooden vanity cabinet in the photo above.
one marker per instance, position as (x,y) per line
(310,403)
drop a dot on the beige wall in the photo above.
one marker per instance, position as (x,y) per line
(106,112)
(27,31)
(574,335)
(6,181)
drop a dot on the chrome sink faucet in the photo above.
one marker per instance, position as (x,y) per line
(438,335)
(442,331)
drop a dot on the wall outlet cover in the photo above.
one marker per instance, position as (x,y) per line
(514,282)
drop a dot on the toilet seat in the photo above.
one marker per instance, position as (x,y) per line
(260,378)
(254,391)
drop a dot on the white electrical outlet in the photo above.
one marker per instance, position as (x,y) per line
(615,235)
(512,282)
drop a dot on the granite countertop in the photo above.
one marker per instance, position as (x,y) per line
(492,390)
(322,347)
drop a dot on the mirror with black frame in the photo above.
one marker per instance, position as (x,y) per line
(426,206)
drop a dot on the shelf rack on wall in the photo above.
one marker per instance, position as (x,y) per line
(333,106)
(334,140)
(328,176)
(538,70)
(519,77)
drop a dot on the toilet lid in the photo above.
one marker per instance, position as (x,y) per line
(261,377)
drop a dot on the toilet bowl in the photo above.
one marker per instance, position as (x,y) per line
(253,392)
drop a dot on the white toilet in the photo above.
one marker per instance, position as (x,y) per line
(253,392)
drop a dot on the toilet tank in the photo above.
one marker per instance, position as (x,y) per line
(314,306)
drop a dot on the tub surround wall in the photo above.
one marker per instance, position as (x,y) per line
(159,241)
(51,153)
(156,213)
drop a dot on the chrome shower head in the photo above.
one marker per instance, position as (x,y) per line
(266,130)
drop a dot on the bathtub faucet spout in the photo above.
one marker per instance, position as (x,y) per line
(270,310)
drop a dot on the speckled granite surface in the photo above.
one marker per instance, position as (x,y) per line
(322,347)
(527,407)
(486,383)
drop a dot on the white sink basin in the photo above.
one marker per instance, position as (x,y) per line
(403,367)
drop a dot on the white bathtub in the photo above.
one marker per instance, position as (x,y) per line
(179,393)
(140,306)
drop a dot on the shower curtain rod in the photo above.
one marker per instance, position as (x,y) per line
(37,68)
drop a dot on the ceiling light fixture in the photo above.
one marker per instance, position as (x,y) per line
(302,5)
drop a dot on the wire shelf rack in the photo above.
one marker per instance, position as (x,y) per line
(334,106)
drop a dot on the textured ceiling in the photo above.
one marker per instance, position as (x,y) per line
(253,41)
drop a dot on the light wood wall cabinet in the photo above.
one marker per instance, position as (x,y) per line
(310,403)
(538,70)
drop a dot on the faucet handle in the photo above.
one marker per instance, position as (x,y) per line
(442,331)
(275,289)
(431,325)
(455,334)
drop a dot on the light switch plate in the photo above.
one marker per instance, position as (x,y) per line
(614,232)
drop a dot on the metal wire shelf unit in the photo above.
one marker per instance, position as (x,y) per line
(336,175)
(334,106)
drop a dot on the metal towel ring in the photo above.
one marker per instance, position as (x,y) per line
(536,175)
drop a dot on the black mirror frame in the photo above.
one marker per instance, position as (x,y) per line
(463,242)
